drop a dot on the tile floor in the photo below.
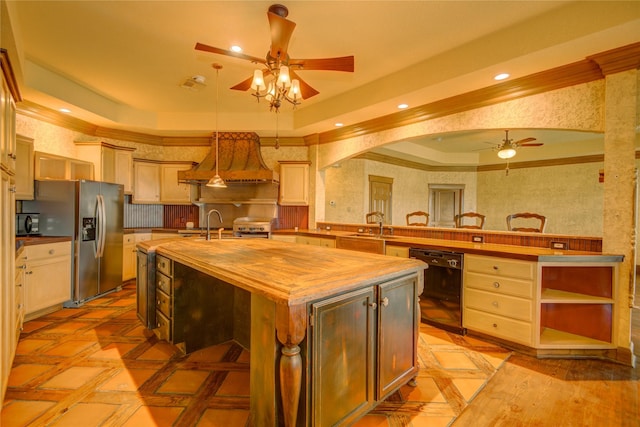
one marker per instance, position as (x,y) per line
(97,366)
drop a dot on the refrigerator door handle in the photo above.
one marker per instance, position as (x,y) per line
(101,226)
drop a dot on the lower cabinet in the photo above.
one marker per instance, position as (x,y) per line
(316,241)
(398,251)
(129,253)
(367,341)
(47,277)
(146,288)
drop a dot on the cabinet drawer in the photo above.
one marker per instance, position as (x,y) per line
(498,326)
(163,265)
(503,305)
(500,285)
(49,250)
(398,251)
(163,303)
(163,325)
(500,266)
(163,283)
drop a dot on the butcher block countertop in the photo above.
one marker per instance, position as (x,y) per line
(283,272)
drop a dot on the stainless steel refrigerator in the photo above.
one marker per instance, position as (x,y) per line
(91,213)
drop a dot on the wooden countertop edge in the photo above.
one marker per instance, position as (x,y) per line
(489,249)
(282,288)
(40,240)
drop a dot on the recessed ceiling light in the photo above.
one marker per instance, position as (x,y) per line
(338,125)
(501,76)
(236,48)
(403,106)
(65,110)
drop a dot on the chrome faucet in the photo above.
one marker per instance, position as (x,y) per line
(209,219)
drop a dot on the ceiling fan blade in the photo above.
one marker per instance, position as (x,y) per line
(536,144)
(522,141)
(206,48)
(243,85)
(344,63)
(305,90)
(281,30)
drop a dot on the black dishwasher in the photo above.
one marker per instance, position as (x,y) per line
(440,299)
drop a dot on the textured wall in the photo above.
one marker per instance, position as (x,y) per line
(570,196)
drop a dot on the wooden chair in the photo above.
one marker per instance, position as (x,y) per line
(541,220)
(418,215)
(374,217)
(479,219)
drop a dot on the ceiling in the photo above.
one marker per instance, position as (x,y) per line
(122,64)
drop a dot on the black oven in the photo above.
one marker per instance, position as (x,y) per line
(440,302)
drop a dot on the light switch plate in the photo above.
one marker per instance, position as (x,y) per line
(477,239)
(559,245)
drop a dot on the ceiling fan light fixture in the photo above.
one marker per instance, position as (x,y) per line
(258,81)
(506,151)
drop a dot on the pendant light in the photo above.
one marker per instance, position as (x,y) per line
(217,181)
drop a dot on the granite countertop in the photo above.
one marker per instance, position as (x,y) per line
(280,271)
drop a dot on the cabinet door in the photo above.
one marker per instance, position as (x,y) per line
(294,184)
(398,318)
(171,191)
(128,257)
(146,182)
(24,168)
(108,165)
(124,170)
(47,283)
(343,370)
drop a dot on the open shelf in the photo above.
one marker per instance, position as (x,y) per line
(556,295)
(554,338)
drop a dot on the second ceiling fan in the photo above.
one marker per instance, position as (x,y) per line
(507,149)
(279,67)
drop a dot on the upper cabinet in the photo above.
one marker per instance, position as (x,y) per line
(157,182)
(294,183)
(112,163)
(51,166)
(7,128)
(24,168)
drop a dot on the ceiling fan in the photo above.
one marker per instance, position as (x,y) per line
(277,63)
(507,149)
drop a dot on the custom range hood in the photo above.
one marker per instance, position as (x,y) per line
(240,161)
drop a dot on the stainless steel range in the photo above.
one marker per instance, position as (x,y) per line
(253,227)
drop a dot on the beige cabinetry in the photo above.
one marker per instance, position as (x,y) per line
(47,278)
(316,241)
(498,297)
(294,183)
(172,191)
(111,163)
(52,166)
(399,251)
(24,168)
(577,305)
(380,323)
(8,310)
(157,182)
(146,182)
(284,237)
(129,253)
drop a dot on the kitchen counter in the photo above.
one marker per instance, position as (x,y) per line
(308,308)
(529,253)
(39,240)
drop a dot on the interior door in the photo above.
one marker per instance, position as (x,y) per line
(380,196)
(445,202)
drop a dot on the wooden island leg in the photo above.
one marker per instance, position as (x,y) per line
(291,328)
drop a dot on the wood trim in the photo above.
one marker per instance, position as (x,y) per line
(413,165)
(7,71)
(541,163)
(592,68)
(104,144)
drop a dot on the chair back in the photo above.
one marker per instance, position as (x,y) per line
(418,218)
(478,218)
(374,217)
(539,220)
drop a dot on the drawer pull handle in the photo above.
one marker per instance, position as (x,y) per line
(52,251)
(385,301)
(495,267)
(496,284)
(28,272)
(373,305)
(495,325)
(495,303)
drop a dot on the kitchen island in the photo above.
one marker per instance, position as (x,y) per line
(331,333)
